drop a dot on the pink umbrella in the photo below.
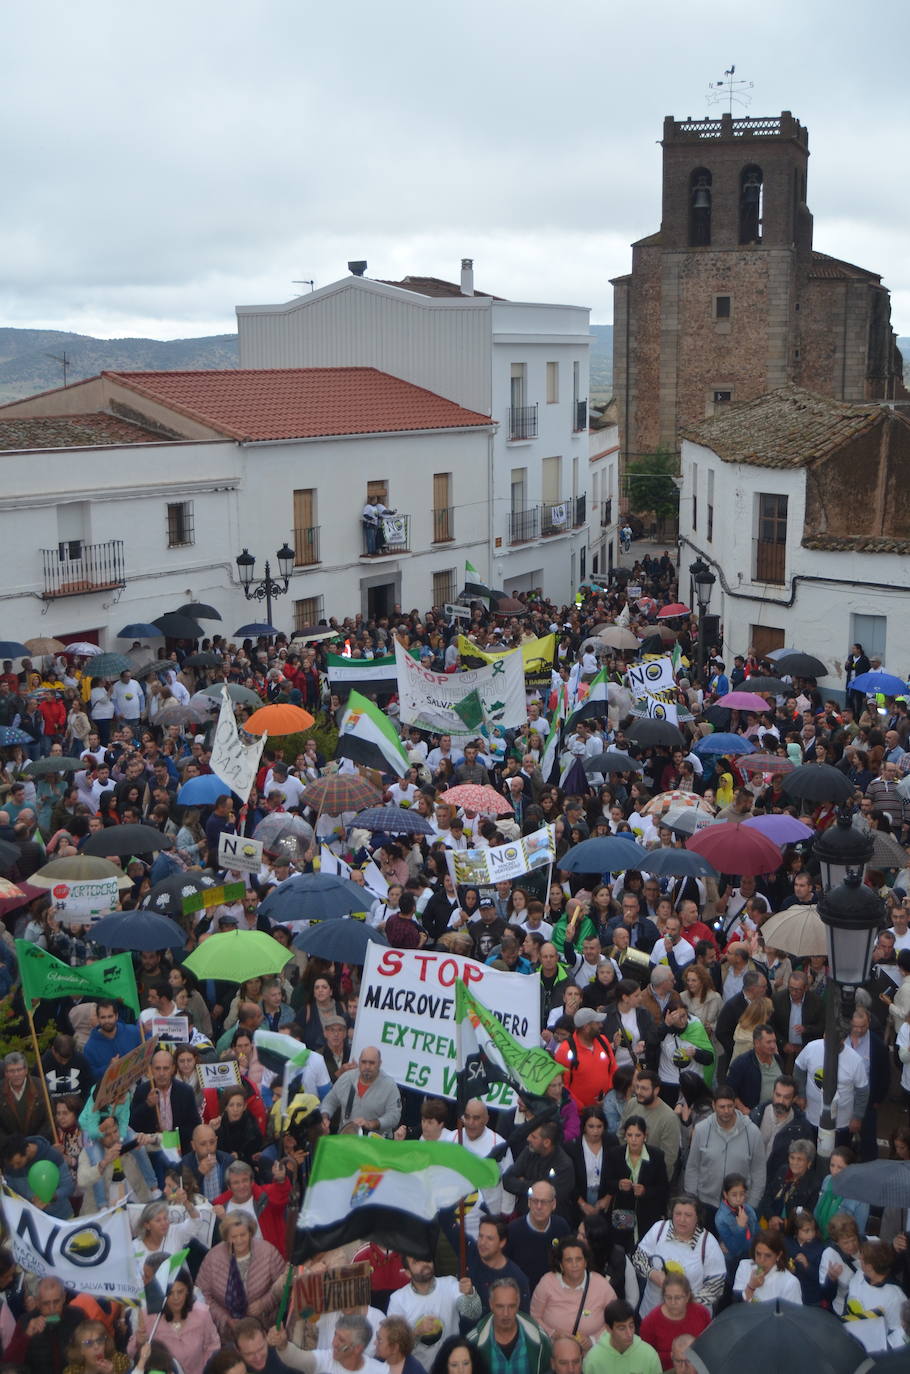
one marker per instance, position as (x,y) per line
(743,701)
(474,796)
(675,609)
(734,848)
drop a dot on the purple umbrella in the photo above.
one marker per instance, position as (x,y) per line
(780,829)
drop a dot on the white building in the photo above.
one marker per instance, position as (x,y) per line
(801,506)
(524,364)
(603,513)
(129,494)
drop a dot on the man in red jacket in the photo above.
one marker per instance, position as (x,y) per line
(267,1202)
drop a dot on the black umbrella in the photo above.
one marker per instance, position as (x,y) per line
(137,930)
(157,665)
(679,863)
(881,1183)
(763,684)
(341,942)
(391,820)
(754,1337)
(315,897)
(801,665)
(613,761)
(604,854)
(179,626)
(818,782)
(121,840)
(718,716)
(167,896)
(650,731)
(652,645)
(203,660)
(621,574)
(199,610)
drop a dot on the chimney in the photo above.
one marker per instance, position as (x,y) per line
(357,269)
(467,276)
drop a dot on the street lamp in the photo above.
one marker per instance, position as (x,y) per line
(268,586)
(852,915)
(703,580)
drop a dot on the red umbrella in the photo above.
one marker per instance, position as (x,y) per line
(743,701)
(734,848)
(27,893)
(675,608)
(473,796)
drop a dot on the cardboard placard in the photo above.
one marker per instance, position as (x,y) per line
(124,1072)
(224,1074)
(238,853)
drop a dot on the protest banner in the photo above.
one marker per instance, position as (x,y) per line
(536,657)
(239,854)
(218,1075)
(212,896)
(429,700)
(175,1029)
(648,679)
(407,1009)
(44,977)
(234,762)
(124,1071)
(394,531)
(91,1254)
(656,709)
(504,862)
(85,898)
(453,611)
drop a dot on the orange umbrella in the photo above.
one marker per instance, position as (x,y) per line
(281,719)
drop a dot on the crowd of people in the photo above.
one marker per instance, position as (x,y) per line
(672,1167)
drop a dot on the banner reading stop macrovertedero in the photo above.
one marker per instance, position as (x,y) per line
(407,1010)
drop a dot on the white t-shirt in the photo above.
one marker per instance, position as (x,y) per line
(777,1284)
(325,1330)
(683,953)
(327,1364)
(851,1077)
(442,1303)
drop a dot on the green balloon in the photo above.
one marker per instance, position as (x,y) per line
(43,1178)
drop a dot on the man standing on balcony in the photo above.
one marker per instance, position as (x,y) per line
(128,697)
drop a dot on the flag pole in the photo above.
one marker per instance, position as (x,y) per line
(462,1234)
(40,1068)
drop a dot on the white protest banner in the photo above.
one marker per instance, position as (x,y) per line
(176,1029)
(239,854)
(330,863)
(559,515)
(471,867)
(455,612)
(657,710)
(86,898)
(428,700)
(218,1075)
(647,679)
(407,1009)
(88,1254)
(395,530)
(232,761)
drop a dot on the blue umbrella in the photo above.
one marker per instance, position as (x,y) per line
(9,734)
(202,791)
(315,897)
(604,854)
(140,631)
(886,683)
(11,648)
(256,628)
(137,930)
(723,743)
(392,820)
(343,942)
(679,863)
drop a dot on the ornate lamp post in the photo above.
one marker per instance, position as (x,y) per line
(268,586)
(703,580)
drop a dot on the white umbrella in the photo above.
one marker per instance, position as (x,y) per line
(84,649)
(799,930)
(685,820)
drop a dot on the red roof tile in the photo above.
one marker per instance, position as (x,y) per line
(434,286)
(71,431)
(301,402)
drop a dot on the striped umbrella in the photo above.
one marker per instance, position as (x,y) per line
(665,800)
(392,820)
(340,792)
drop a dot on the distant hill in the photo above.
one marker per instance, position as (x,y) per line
(602,362)
(25,366)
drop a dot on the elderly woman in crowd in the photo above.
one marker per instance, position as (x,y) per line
(238,1275)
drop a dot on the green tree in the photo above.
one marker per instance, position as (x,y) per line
(650,485)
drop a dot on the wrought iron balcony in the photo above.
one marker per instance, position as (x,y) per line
(523,422)
(581,416)
(75,568)
(392,535)
(524,525)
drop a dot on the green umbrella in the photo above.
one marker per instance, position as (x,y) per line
(54,763)
(109,665)
(236,955)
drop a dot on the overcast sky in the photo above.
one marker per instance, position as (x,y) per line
(166,161)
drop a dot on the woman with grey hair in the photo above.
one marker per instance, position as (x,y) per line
(238,1274)
(793,1188)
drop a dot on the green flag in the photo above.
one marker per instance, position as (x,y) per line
(696,1035)
(470,709)
(531,1070)
(44,977)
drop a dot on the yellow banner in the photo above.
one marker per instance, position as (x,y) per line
(537,654)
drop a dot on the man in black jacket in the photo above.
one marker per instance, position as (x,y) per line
(161,1105)
(780,1122)
(542,1160)
(799,1016)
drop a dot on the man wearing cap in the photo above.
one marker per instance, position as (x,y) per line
(588,1058)
(487,930)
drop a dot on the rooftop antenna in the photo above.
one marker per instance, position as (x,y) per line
(64,363)
(306,281)
(730,89)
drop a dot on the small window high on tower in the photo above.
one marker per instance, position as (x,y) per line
(700,208)
(750,205)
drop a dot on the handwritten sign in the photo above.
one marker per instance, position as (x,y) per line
(234,762)
(124,1072)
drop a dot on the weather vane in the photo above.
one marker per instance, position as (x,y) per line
(730,89)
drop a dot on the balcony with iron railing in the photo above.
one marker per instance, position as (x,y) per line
(523,422)
(548,519)
(606,512)
(74,568)
(581,417)
(770,562)
(306,546)
(443,524)
(524,525)
(392,535)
